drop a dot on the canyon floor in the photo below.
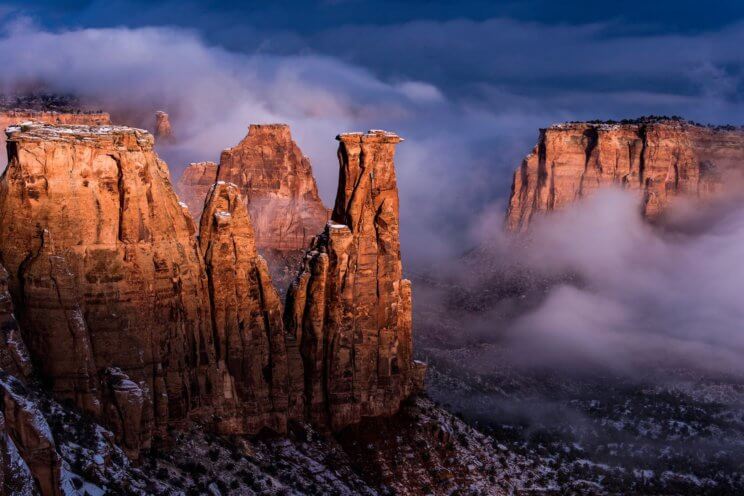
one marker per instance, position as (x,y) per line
(675,431)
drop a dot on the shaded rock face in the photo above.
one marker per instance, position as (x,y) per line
(14,357)
(277,183)
(13,117)
(247,320)
(163,130)
(106,272)
(350,308)
(195,182)
(661,160)
(29,457)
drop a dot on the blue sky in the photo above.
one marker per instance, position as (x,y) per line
(467,83)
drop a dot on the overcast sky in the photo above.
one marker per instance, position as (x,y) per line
(468,84)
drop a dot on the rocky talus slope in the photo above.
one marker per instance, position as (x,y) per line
(659,158)
(141,325)
(277,183)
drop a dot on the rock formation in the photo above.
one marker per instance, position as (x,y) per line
(138,323)
(163,131)
(247,319)
(350,308)
(27,449)
(14,357)
(11,117)
(106,273)
(660,158)
(196,181)
(277,183)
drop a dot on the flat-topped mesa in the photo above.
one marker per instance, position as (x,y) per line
(107,277)
(18,116)
(195,182)
(349,307)
(659,158)
(247,320)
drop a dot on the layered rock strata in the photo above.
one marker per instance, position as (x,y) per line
(277,183)
(350,308)
(106,273)
(13,117)
(195,182)
(659,158)
(137,322)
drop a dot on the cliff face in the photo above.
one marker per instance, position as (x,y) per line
(660,159)
(136,321)
(107,275)
(247,319)
(196,181)
(350,308)
(11,117)
(276,182)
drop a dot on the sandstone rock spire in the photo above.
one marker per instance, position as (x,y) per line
(247,319)
(106,266)
(659,158)
(350,307)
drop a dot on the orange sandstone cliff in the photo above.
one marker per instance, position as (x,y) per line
(11,117)
(276,182)
(134,319)
(350,308)
(659,158)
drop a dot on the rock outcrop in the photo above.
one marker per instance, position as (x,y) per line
(196,181)
(277,183)
(13,117)
(27,448)
(247,320)
(136,321)
(350,308)
(163,130)
(106,273)
(660,158)
(14,357)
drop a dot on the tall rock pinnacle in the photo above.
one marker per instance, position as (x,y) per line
(350,308)
(247,317)
(659,158)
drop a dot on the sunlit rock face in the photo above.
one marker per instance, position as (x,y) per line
(276,181)
(14,117)
(350,309)
(247,317)
(107,277)
(660,158)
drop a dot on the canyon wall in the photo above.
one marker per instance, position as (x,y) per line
(350,308)
(659,158)
(11,117)
(276,182)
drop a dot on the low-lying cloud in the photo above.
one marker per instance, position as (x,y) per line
(640,296)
